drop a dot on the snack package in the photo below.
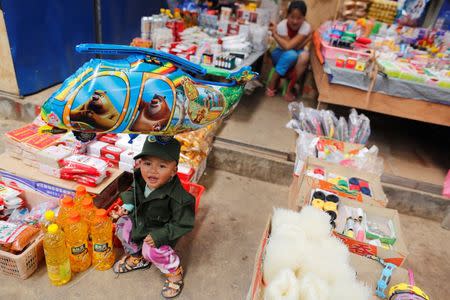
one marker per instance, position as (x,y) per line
(83,164)
(15,238)
(52,155)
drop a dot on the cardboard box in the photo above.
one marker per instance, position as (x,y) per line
(345,147)
(300,195)
(15,172)
(367,270)
(399,251)
(302,183)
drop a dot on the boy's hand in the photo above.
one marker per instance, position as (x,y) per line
(149,240)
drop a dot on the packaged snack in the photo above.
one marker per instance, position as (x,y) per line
(52,155)
(15,238)
(83,164)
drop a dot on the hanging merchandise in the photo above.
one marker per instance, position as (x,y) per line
(354,9)
(325,123)
(411,12)
(98,99)
(383,10)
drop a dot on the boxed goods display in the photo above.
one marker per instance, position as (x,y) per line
(355,184)
(366,270)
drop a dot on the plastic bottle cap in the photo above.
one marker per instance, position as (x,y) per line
(67,201)
(74,217)
(87,202)
(52,228)
(101,213)
(49,215)
(80,190)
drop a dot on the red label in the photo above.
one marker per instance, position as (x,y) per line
(42,141)
(23,133)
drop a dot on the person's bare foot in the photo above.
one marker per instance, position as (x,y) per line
(289,97)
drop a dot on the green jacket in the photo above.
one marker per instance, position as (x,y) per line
(166,214)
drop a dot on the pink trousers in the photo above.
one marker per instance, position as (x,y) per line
(164,257)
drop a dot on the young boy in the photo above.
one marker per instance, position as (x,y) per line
(157,211)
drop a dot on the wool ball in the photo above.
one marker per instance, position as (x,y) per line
(284,286)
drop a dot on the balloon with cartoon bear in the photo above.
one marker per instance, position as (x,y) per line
(149,92)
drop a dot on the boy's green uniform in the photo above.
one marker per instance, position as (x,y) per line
(166,214)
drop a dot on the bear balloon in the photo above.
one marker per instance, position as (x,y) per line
(149,92)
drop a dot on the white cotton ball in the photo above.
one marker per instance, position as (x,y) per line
(293,232)
(316,223)
(284,286)
(282,216)
(336,249)
(325,263)
(350,290)
(283,252)
(313,288)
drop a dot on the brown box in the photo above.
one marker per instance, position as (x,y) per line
(300,195)
(300,184)
(367,270)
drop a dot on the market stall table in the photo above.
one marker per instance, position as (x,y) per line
(420,110)
(15,170)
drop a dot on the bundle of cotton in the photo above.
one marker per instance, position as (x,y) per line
(304,261)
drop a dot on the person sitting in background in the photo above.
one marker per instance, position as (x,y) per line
(292,34)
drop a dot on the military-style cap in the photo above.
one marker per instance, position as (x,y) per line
(164,147)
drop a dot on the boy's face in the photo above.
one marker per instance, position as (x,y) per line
(156,171)
(295,19)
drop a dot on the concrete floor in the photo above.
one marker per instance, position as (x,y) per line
(219,254)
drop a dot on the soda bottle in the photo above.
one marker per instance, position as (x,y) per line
(77,242)
(56,256)
(80,194)
(66,207)
(49,218)
(102,235)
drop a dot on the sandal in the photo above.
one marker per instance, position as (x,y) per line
(172,289)
(271,92)
(289,97)
(124,265)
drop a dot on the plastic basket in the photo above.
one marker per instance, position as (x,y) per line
(330,52)
(195,190)
(22,265)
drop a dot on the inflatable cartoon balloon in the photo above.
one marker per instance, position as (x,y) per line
(149,92)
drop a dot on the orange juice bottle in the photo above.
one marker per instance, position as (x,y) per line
(77,242)
(80,194)
(87,212)
(102,235)
(56,256)
(66,207)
